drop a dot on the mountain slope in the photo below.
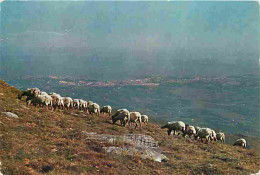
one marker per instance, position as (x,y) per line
(43,141)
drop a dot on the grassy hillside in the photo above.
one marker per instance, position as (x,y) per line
(44,141)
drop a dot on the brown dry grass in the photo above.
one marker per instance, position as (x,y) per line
(46,142)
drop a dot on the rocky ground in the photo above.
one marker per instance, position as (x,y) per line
(41,141)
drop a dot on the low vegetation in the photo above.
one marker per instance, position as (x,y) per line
(42,141)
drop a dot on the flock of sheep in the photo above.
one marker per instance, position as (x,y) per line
(53,101)
(199,133)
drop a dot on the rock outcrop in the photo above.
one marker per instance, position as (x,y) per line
(143,145)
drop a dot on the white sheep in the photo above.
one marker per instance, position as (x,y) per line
(220,136)
(94,109)
(90,103)
(240,142)
(144,119)
(106,109)
(48,97)
(68,102)
(135,117)
(57,100)
(41,100)
(189,130)
(175,127)
(213,135)
(123,115)
(197,128)
(76,103)
(204,133)
(83,105)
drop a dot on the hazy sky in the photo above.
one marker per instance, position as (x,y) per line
(94,37)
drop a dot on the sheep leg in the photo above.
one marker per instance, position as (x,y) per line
(28,102)
(124,123)
(169,132)
(207,139)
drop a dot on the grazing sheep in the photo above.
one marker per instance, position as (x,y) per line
(204,133)
(144,119)
(90,103)
(30,93)
(197,128)
(213,135)
(83,105)
(175,127)
(106,109)
(240,142)
(123,115)
(41,100)
(76,103)
(68,102)
(189,130)
(220,136)
(57,100)
(48,101)
(135,117)
(94,109)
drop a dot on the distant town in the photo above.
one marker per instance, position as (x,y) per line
(78,82)
(148,81)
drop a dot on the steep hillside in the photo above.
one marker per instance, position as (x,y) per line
(42,141)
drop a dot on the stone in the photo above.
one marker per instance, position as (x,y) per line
(0,169)
(256,173)
(9,114)
(143,145)
(144,153)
